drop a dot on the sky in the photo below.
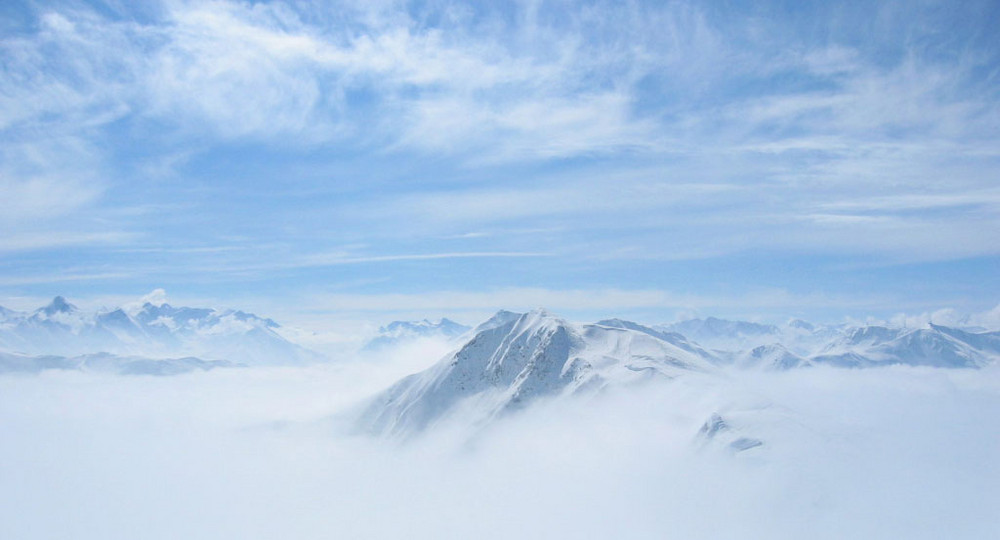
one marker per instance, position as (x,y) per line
(386,159)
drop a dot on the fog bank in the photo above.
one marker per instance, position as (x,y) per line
(251,453)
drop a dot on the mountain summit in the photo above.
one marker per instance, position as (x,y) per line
(517,360)
(58,305)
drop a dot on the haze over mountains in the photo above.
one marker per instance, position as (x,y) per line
(141,335)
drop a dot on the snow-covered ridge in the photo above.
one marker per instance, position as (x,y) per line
(937,346)
(799,343)
(150,331)
(512,360)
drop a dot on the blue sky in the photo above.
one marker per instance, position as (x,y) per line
(311,159)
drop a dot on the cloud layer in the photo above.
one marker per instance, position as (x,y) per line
(248,453)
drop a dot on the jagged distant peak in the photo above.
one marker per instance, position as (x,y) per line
(114,315)
(717,326)
(800,324)
(538,319)
(874,333)
(717,323)
(444,325)
(58,305)
(399,332)
(249,317)
(198,314)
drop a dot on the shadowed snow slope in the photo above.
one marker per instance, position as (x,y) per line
(514,360)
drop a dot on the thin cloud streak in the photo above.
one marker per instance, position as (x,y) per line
(46,240)
(61,278)
(526,298)
(334,260)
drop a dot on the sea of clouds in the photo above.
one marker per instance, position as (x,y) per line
(263,453)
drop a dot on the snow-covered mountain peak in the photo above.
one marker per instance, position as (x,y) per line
(513,361)
(58,310)
(249,318)
(873,335)
(424,326)
(538,318)
(56,306)
(59,314)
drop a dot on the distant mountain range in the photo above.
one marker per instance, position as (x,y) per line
(150,332)
(513,360)
(512,357)
(402,332)
(799,343)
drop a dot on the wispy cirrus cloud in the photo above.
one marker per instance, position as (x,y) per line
(536,87)
(263,71)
